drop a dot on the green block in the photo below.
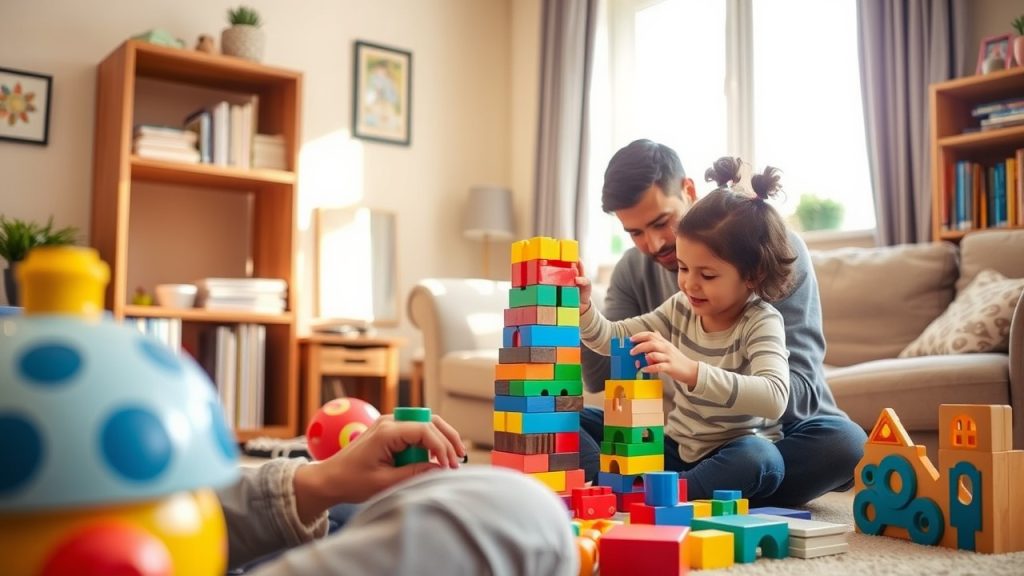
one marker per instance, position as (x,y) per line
(536,295)
(412,454)
(623,435)
(607,448)
(723,507)
(412,414)
(545,387)
(645,449)
(569,296)
(568,372)
(750,532)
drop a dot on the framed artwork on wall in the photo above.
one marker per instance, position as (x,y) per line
(25,106)
(382,94)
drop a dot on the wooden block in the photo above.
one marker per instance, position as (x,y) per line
(553,480)
(517,251)
(623,500)
(633,406)
(518,273)
(750,532)
(710,549)
(630,465)
(569,250)
(701,508)
(563,461)
(541,247)
(726,495)
(566,372)
(522,462)
(661,488)
(533,296)
(568,355)
(541,422)
(526,315)
(632,420)
(819,551)
(524,371)
(626,435)
(568,403)
(645,449)
(723,507)
(531,354)
(567,316)
(500,421)
(626,366)
(742,506)
(775,511)
(620,483)
(550,336)
(524,404)
(568,297)
(640,513)
(809,529)
(979,427)
(574,479)
(567,442)
(524,443)
(501,387)
(632,389)
(545,388)
(632,549)
(551,273)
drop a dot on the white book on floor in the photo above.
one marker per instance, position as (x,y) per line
(818,552)
(817,541)
(803,528)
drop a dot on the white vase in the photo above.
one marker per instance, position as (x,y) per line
(243,41)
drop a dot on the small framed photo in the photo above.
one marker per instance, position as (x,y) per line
(382,94)
(25,106)
(995,46)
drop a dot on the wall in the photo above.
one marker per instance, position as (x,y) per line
(989,18)
(474,111)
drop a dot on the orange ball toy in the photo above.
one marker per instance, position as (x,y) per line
(336,424)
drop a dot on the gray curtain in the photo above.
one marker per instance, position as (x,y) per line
(905,45)
(568,28)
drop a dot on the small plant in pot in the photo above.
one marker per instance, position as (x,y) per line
(17,237)
(1018,42)
(244,38)
(815,213)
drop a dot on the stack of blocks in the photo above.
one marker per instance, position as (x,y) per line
(538,386)
(634,426)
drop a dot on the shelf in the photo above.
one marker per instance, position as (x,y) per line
(957,235)
(201,315)
(981,87)
(208,175)
(213,70)
(269,431)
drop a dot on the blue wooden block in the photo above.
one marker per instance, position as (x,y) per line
(677,515)
(524,403)
(787,512)
(538,423)
(662,489)
(536,335)
(624,365)
(621,484)
(726,495)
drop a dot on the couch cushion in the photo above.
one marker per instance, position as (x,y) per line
(915,387)
(1000,250)
(875,301)
(978,320)
(469,373)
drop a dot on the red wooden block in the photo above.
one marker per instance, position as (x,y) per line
(574,479)
(567,442)
(640,513)
(624,500)
(550,272)
(593,507)
(683,495)
(644,549)
(519,274)
(521,462)
(579,493)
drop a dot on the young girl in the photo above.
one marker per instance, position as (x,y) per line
(718,339)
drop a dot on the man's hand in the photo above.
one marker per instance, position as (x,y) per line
(585,288)
(367,465)
(663,357)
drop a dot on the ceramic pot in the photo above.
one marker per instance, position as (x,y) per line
(243,41)
(1018,51)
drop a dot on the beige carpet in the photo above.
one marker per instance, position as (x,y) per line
(869,555)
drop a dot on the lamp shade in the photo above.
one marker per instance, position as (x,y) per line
(489,214)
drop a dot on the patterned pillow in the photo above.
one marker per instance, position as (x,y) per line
(977,321)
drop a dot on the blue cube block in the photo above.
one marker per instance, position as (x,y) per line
(678,515)
(625,366)
(661,489)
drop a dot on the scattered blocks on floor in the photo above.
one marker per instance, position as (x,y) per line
(710,549)
(650,550)
(750,533)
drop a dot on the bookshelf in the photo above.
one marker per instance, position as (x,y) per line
(159,221)
(955,139)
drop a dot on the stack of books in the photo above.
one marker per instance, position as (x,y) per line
(165,143)
(1001,114)
(268,152)
(225,132)
(235,359)
(260,295)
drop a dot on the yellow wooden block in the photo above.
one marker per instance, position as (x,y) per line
(568,316)
(633,389)
(518,251)
(541,247)
(710,549)
(514,422)
(553,480)
(630,465)
(570,251)
(701,508)
(500,424)
(743,506)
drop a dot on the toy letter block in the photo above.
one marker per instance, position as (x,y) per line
(533,296)
(521,462)
(545,388)
(632,549)
(661,488)
(524,443)
(629,465)
(633,389)
(524,404)
(710,549)
(626,366)
(524,372)
(530,355)
(750,532)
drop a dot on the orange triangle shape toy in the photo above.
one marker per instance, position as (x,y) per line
(888,430)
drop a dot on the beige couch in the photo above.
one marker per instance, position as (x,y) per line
(876,301)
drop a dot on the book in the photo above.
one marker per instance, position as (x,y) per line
(999,106)
(200,123)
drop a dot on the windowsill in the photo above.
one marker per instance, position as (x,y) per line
(830,239)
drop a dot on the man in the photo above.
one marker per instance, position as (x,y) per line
(647,189)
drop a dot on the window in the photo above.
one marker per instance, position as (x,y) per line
(764,80)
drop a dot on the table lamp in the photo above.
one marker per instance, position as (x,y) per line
(489,217)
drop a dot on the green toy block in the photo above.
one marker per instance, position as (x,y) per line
(412,454)
(645,449)
(568,372)
(624,435)
(545,387)
(536,295)
(750,532)
(568,297)
(723,507)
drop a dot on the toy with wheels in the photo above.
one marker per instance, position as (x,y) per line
(336,424)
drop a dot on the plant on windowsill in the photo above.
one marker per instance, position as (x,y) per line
(1018,42)
(17,237)
(244,38)
(815,213)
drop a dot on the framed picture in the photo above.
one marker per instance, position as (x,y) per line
(25,106)
(995,45)
(382,94)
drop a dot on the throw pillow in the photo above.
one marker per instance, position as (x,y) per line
(978,320)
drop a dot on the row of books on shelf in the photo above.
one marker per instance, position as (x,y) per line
(999,114)
(987,195)
(166,330)
(223,134)
(261,295)
(234,356)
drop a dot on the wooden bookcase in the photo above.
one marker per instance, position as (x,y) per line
(166,222)
(951,104)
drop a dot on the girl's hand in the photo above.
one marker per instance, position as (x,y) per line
(585,287)
(664,358)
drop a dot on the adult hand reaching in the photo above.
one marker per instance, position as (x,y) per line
(585,287)
(367,466)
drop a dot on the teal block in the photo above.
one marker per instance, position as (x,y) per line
(537,423)
(569,296)
(749,533)
(536,295)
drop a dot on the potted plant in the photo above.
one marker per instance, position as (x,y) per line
(1018,42)
(244,38)
(17,237)
(815,213)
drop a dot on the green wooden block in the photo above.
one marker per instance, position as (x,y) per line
(412,414)
(412,454)
(545,387)
(723,507)
(568,296)
(536,295)
(607,448)
(623,435)
(645,449)
(568,372)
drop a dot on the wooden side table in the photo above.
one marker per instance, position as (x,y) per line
(370,359)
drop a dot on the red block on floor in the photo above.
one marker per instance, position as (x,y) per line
(644,549)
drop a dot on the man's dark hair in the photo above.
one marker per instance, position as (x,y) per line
(634,168)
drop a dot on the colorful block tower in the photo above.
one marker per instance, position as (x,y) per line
(634,426)
(538,386)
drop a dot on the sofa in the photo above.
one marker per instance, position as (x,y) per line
(875,301)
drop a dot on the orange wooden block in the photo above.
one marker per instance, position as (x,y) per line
(521,462)
(567,355)
(524,371)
